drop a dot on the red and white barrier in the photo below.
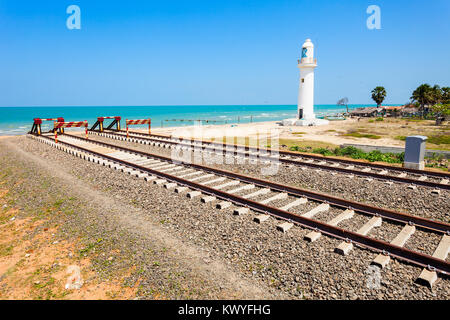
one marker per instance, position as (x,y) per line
(139,121)
(72,124)
(39,120)
(100,121)
(36,128)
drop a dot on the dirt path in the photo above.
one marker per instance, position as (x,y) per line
(228,283)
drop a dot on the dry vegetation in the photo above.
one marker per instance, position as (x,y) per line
(398,129)
(33,263)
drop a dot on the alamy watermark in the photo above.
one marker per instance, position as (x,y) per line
(74,20)
(374,20)
(374,277)
(231,146)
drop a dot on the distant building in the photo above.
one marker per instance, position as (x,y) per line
(390,111)
(409,111)
(385,111)
(365,112)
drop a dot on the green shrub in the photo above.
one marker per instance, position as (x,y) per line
(323,151)
(356,153)
(298,149)
(376,155)
(379,119)
(350,151)
(436,157)
(347,151)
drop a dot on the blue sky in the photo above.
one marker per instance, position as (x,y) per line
(217,52)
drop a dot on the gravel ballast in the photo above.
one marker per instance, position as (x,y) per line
(283,262)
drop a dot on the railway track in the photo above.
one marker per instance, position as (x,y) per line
(248,193)
(368,171)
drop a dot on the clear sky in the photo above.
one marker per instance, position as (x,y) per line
(176,52)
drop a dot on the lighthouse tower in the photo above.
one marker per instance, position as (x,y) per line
(305,112)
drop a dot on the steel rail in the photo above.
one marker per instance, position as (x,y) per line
(374,175)
(431,225)
(312,156)
(401,253)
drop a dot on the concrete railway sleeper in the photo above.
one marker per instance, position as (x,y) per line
(369,171)
(213,182)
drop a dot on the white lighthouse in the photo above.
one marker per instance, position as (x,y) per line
(305,111)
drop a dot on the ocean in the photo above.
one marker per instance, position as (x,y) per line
(18,120)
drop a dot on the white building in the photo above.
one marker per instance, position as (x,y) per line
(305,112)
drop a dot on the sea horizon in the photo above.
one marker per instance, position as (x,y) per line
(18,120)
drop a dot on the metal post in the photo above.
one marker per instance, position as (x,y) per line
(127,131)
(149,126)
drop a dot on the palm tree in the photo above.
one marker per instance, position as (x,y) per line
(445,94)
(378,95)
(436,94)
(423,95)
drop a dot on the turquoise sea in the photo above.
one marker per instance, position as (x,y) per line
(18,120)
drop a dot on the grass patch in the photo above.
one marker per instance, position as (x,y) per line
(414,119)
(5,250)
(58,203)
(89,248)
(361,135)
(40,285)
(401,138)
(379,119)
(299,132)
(436,166)
(439,139)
